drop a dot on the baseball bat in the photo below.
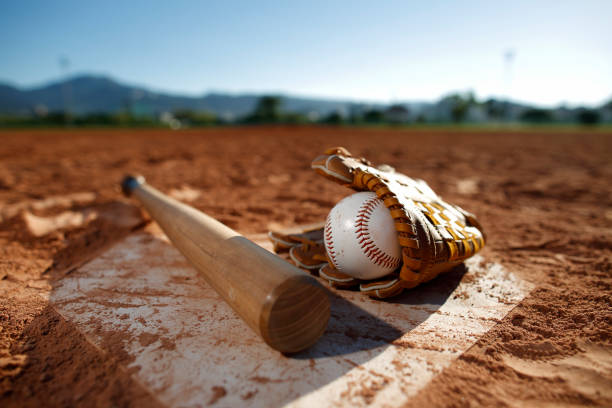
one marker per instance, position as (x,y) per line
(286,307)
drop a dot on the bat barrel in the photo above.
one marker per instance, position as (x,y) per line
(286,307)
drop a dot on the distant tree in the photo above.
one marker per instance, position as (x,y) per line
(420,119)
(294,118)
(57,118)
(355,118)
(96,119)
(460,104)
(495,109)
(374,116)
(189,117)
(397,114)
(333,118)
(184,115)
(588,117)
(536,115)
(268,110)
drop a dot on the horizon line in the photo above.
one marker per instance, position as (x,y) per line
(291,94)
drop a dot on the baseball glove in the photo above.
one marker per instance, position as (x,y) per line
(434,235)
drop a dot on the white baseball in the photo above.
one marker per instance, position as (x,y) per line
(360,237)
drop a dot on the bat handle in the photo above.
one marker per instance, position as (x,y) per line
(130,183)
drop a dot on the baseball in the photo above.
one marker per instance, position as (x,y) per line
(360,237)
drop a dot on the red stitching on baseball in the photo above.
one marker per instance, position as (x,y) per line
(330,246)
(366,242)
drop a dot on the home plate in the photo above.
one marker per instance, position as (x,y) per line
(143,302)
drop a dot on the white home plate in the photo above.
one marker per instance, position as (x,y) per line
(182,342)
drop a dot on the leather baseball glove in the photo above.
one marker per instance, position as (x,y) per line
(434,236)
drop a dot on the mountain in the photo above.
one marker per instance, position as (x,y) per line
(12,100)
(99,94)
(95,94)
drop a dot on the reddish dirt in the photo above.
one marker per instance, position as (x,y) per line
(543,198)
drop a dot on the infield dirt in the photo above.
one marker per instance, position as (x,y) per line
(544,199)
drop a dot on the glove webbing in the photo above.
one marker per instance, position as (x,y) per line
(407,234)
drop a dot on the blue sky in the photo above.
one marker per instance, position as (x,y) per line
(365,50)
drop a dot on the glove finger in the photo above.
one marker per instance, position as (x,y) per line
(382,289)
(310,257)
(337,279)
(282,243)
(285,239)
(332,167)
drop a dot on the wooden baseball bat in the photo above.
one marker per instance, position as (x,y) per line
(286,307)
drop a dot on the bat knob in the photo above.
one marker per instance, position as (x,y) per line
(130,183)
